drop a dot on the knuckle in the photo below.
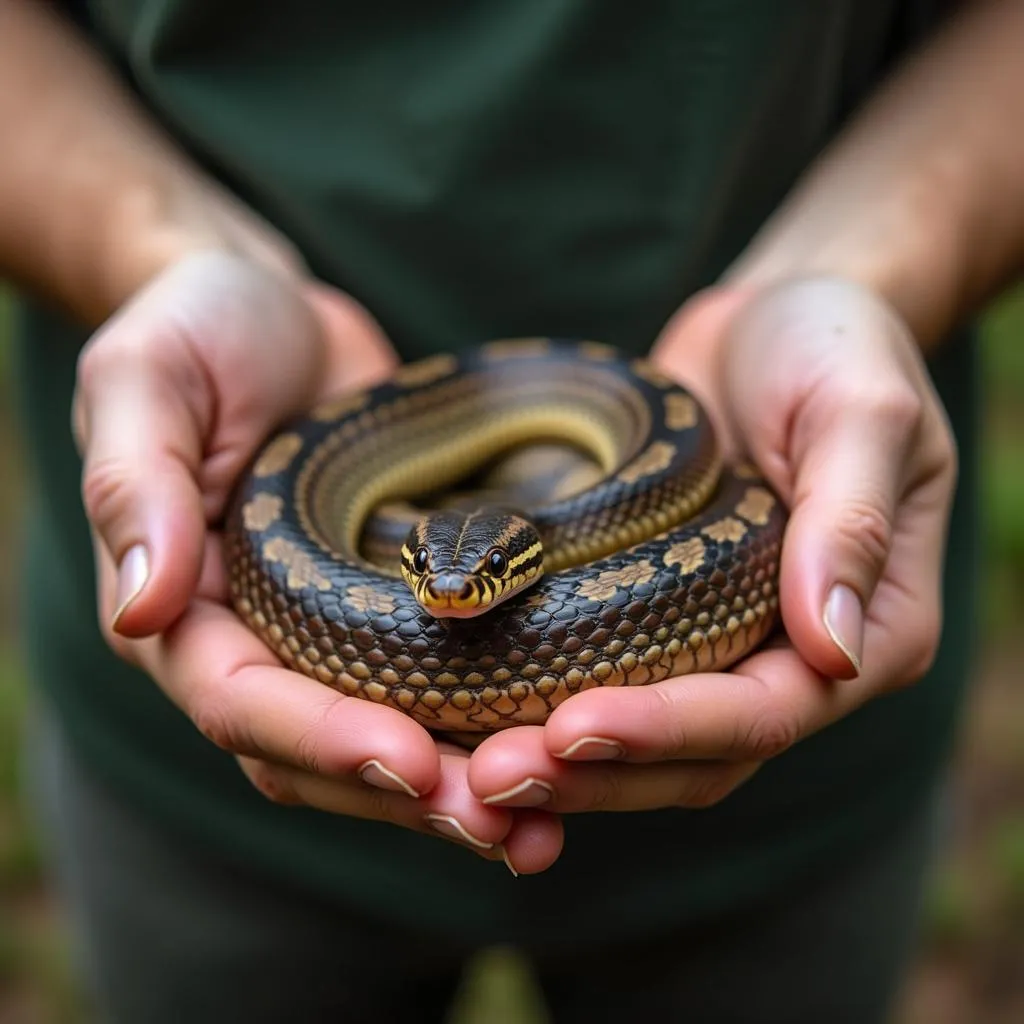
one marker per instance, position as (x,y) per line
(920,647)
(676,736)
(270,782)
(79,423)
(91,365)
(707,789)
(106,352)
(862,526)
(381,807)
(107,486)
(309,752)
(898,408)
(214,721)
(947,454)
(606,792)
(769,734)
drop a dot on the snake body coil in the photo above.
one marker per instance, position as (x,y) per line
(659,564)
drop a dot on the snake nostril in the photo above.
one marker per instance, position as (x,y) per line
(447,586)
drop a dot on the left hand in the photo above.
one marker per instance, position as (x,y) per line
(821,384)
(174,395)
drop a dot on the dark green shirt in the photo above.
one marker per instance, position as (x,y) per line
(471,171)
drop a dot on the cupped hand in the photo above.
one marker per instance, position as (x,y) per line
(174,394)
(823,387)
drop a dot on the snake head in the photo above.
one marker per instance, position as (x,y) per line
(461,564)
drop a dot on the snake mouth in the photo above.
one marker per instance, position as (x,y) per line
(452,595)
(458,596)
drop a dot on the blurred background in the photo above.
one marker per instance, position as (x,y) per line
(970,963)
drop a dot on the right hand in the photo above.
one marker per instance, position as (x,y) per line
(174,394)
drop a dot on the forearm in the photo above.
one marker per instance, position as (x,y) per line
(94,198)
(922,197)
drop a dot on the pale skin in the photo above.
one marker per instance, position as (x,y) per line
(909,222)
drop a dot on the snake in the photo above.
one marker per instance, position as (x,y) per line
(353,554)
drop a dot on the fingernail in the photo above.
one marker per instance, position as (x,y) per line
(373,773)
(844,620)
(508,863)
(593,748)
(530,792)
(451,828)
(131,578)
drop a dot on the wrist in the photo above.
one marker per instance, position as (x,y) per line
(164,218)
(921,197)
(906,247)
(95,199)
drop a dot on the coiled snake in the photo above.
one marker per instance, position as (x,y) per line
(474,619)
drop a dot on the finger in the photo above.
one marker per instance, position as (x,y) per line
(513,768)
(844,454)
(904,620)
(770,702)
(849,482)
(238,695)
(534,842)
(527,841)
(449,811)
(142,440)
(359,354)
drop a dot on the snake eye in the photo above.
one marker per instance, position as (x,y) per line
(497,561)
(420,560)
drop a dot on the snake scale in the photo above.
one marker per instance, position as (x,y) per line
(660,562)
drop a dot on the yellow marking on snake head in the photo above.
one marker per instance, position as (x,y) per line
(725,529)
(278,455)
(653,459)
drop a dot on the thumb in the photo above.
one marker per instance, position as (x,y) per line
(142,450)
(358,352)
(847,486)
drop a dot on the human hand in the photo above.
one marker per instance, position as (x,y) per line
(174,394)
(820,384)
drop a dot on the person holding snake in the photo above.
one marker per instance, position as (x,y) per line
(294,273)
